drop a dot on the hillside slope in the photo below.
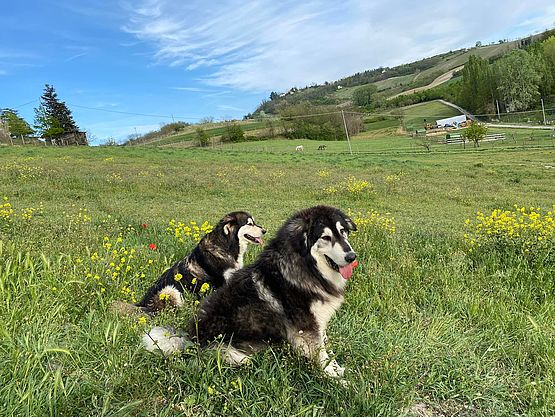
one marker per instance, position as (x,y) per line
(392,82)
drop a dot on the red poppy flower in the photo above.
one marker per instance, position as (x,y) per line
(152,246)
(144,225)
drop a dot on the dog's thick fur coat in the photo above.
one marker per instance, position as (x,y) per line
(288,294)
(212,261)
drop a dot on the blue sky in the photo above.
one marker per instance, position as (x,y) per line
(193,59)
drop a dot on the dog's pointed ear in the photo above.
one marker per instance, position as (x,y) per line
(298,234)
(229,224)
(351,226)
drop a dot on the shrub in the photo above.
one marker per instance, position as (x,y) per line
(201,137)
(520,231)
(233,133)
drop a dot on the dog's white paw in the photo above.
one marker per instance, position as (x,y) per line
(334,370)
(161,339)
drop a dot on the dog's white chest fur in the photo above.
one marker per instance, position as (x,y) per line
(323,310)
(243,246)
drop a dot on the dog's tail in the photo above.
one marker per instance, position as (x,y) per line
(165,340)
(158,299)
(128,309)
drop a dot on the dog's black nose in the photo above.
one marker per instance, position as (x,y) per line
(350,257)
(263,231)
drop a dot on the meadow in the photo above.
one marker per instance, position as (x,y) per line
(451,311)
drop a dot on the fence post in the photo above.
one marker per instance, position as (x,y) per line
(346,131)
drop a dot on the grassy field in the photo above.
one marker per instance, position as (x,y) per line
(212,130)
(432,325)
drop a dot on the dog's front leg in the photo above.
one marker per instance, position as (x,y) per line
(329,366)
(311,345)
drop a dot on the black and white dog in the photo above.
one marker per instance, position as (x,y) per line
(212,261)
(289,293)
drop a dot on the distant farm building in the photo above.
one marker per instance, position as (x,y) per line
(454,121)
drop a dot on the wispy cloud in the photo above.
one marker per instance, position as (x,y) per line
(192,89)
(74,57)
(266,45)
(227,107)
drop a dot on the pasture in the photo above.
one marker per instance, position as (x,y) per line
(441,318)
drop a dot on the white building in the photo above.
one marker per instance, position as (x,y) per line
(454,121)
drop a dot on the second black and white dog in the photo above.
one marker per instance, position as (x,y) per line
(288,294)
(212,261)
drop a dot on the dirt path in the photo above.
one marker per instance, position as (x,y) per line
(439,80)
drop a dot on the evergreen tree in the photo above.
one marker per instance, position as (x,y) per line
(53,118)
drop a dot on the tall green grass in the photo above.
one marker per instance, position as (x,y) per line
(427,328)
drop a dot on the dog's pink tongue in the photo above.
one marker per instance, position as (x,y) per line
(260,241)
(346,271)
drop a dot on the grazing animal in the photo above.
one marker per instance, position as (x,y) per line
(299,148)
(288,294)
(212,261)
(322,147)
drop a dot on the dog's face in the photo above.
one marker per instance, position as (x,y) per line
(326,238)
(242,225)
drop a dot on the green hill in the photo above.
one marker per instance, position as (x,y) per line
(390,82)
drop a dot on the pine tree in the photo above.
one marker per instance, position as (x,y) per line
(53,118)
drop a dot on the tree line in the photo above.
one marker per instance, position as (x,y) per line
(515,82)
(53,122)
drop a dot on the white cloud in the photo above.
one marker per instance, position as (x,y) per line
(264,45)
(227,107)
(193,89)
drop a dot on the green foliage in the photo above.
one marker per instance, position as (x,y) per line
(234,133)
(548,47)
(518,80)
(48,126)
(201,137)
(475,133)
(173,128)
(17,126)
(477,86)
(448,91)
(545,55)
(53,118)
(365,95)
(323,122)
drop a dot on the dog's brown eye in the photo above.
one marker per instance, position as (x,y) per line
(327,238)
